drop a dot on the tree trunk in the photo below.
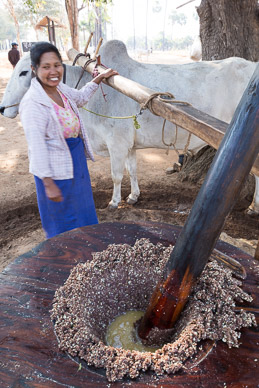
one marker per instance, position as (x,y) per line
(72,14)
(229,29)
(10,6)
(195,169)
(146,45)
(134,36)
(98,25)
(165,15)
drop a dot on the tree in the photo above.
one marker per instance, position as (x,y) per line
(134,35)
(156,7)
(165,14)
(162,43)
(11,9)
(73,16)
(101,18)
(177,18)
(146,46)
(229,28)
(31,11)
(7,28)
(84,26)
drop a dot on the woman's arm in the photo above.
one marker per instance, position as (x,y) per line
(82,96)
(52,191)
(106,74)
(35,118)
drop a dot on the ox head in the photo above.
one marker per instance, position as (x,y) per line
(17,86)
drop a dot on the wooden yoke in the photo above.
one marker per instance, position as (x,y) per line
(208,128)
(215,200)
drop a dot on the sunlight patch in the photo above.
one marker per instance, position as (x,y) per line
(8,161)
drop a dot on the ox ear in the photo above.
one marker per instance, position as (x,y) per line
(33,72)
(23,73)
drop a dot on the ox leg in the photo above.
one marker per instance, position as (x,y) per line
(254,207)
(131,167)
(118,160)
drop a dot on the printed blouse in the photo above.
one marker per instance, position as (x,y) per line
(67,118)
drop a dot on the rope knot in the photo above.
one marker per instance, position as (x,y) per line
(164,97)
(168,98)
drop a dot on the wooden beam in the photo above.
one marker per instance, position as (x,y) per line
(257,251)
(206,127)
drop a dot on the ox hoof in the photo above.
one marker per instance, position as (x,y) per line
(131,201)
(251,212)
(176,168)
(112,206)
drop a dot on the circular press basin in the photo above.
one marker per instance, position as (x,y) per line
(30,354)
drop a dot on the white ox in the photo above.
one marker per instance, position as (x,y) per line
(213,87)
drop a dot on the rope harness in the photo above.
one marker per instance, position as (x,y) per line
(83,67)
(94,74)
(164,97)
(95,71)
(168,98)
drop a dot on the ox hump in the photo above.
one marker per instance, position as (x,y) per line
(114,51)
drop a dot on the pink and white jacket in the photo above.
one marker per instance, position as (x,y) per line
(49,155)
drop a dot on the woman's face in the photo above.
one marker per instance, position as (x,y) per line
(50,70)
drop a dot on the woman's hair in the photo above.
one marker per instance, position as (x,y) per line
(40,48)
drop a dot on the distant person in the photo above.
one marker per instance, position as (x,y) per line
(14,54)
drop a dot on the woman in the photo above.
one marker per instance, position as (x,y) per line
(57,142)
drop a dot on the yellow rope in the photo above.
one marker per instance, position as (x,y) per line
(165,97)
(110,117)
(134,117)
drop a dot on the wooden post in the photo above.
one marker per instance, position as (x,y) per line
(208,128)
(88,42)
(215,200)
(49,31)
(98,48)
(53,33)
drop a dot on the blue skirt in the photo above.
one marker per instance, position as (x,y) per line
(77,208)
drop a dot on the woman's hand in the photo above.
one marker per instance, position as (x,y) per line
(106,74)
(52,190)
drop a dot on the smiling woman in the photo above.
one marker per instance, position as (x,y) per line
(57,142)
(47,66)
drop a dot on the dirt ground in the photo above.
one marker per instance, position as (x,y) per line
(163,197)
